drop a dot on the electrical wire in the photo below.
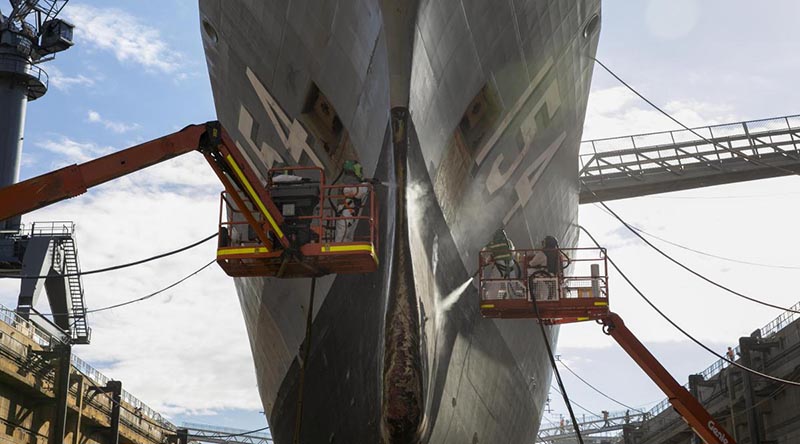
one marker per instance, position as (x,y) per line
(741,154)
(574,402)
(306,354)
(143,298)
(555,370)
(596,389)
(133,301)
(703,253)
(684,332)
(118,267)
(737,153)
(690,270)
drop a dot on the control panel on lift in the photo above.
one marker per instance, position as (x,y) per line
(510,284)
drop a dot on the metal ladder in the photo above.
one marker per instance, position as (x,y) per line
(79,327)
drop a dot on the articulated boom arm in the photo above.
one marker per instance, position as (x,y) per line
(517,289)
(230,165)
(684,403)
(74,180)
(316,237)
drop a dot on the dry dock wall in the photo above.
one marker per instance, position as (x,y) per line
(755,410)
(28,366)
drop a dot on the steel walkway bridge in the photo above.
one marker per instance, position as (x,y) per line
(204,433)
(639,165)
(594,429)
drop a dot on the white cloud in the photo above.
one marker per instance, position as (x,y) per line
(72,151)
(63,82)
(125,35)
(616,111)
(182,352)
(117,127)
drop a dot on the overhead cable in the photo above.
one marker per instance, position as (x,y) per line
(684,332)
(703,253)
(558,375)
(690,270)
(575,402)
(596,389)
(117,267)
(734,152)
(143,298)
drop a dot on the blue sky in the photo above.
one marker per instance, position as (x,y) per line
(138,68)
(137,71)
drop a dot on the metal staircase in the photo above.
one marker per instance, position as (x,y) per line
(631,166)
(79,327)
(65,262)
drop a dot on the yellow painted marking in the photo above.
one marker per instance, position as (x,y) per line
(327,248)
(245,250)
(487,305)
(362,247)
(254,196)
(582,319)
(601,304)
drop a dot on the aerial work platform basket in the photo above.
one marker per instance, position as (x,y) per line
(532,284)
(327,228)
(510,286)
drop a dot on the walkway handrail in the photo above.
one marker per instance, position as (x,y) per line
(45,339)
(772,328)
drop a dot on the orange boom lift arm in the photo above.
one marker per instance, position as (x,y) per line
(270,246)
(533,293)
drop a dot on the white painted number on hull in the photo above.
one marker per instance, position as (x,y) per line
(291,132)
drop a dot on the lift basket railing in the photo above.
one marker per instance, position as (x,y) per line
(319,220)
(576,281)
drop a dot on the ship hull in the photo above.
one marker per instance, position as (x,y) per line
(512,165)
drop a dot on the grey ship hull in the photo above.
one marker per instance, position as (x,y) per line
(467,379)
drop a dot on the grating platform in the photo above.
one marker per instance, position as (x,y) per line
(643,164)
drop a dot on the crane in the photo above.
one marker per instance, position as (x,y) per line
(283,225)
(550,297)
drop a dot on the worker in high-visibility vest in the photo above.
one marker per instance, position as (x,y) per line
(500,252)
(349,207)
(500,248)
(348,210)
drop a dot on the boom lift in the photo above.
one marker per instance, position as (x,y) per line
(284,225)
(520,292)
